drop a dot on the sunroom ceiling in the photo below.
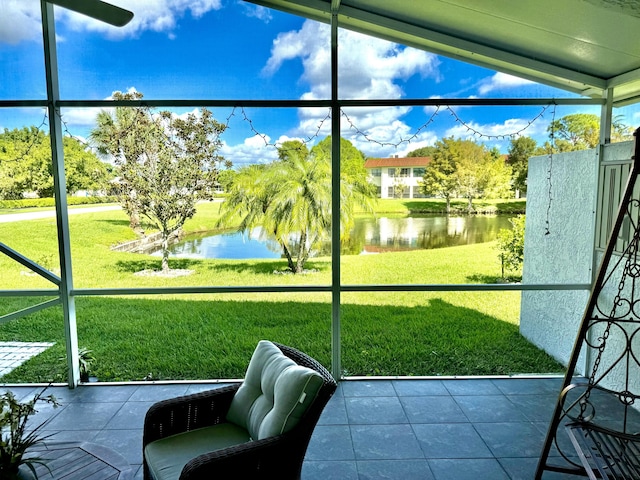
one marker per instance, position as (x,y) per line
(584,46)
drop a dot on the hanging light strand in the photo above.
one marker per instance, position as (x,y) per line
(550,171)
(504,136)
(408,140)
(352,125)
(265,137)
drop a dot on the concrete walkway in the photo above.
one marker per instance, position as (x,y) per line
(16,217)
(14,354)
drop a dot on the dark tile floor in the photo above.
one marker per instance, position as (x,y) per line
(458,429)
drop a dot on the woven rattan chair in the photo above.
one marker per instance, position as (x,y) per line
(173,427)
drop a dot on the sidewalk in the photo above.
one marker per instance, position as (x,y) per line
(14,354)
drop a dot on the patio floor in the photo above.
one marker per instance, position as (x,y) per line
(459,429)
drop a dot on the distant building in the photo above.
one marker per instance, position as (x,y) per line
(397,177)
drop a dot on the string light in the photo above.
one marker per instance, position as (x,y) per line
(143,109)
(469,127)
(504,136)
(550,170)
(359,132)
(265,137)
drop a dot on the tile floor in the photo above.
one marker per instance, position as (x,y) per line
(377,429)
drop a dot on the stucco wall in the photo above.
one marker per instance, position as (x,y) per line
(560,251)
(550,319)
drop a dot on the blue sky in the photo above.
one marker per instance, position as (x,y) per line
(230,49)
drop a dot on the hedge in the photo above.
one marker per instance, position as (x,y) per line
(50,202)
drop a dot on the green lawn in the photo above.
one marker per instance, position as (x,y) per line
(213,335)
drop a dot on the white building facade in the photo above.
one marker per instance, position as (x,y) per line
(397,177)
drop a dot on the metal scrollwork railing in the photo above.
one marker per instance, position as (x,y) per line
(596,422)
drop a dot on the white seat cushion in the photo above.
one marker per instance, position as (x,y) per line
(275,394)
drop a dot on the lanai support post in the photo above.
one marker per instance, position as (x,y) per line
(60,192)
(336,362)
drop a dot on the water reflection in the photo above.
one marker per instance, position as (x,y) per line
(426,232)
(369,235)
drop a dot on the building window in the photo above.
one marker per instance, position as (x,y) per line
(405,172)
(417,192)
(376,172)
(391,172)
(418,171)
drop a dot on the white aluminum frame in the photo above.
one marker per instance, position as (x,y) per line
(65,291)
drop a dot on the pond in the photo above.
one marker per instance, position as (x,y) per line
(369,235)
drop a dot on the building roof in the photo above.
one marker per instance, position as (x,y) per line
(397,162)
(583,46)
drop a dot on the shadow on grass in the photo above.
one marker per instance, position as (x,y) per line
(262,266)
(113,221)
(238,266)
(139,338)
(155,263)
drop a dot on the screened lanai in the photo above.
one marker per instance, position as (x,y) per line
(593,58)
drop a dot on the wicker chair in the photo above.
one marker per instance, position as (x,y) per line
(278,456)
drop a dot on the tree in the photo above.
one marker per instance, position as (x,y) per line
(471,175)
(520,150)
(499,175)
(351,159)
(439,177)
(123,135)
(225,178)
(352,174)
(399,186)
(173,164)
(291,200)
(581,131)
(468,169)
(26,164)
(422,152)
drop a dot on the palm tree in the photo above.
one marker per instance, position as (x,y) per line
(291,200)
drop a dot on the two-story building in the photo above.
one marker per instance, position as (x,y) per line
(397,177)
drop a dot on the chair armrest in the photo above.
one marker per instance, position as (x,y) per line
(247,460)
(188,412)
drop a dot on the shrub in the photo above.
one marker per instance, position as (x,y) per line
(50,202)
(511,244)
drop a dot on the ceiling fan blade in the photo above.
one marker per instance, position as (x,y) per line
(97,9)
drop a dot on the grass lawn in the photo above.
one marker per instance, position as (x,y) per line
(213,335)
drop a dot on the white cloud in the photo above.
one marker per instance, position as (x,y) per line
(373,64)
(256,149)
(154,15)
(80,117)
(369,68)
(86,116)
(392,145)
(256,11)
(501,81)
(20,19)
